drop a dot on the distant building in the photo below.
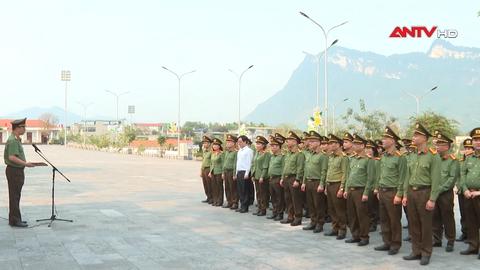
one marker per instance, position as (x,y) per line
(97,127)
(37,131)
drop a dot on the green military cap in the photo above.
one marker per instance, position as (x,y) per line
(398,144)
(231,138)
(420,129)
(347,137)
(206,139)
(407,142)
(358,139)
(467,143)
(293,136)
(371,144)
(440,137)
(305,135)
(218,142)
(280,138)
(261,139)
(18,123)
(313,135)
(276,141)
(334,139)
(390,133)
(379,144)
(324,140)
(475,133)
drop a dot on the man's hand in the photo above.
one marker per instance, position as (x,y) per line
(404,201)
(296,184)
(320,189)
(210,175)
(223,176)
(281,182)
(430,205)
(364,198)
(246,177)
(341,194)
(375,191)
(260,180)
(397,200)
(29,165)
(467,194)
(234,178)
(303,187)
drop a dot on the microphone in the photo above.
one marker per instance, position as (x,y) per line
(36,148)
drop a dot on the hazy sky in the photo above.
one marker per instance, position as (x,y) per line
(121,46)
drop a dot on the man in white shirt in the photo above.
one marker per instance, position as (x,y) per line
(244,162)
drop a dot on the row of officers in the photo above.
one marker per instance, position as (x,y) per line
(354,182)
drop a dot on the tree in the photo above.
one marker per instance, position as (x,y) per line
(432,122)
(161,140)
(49,120)
(128,135)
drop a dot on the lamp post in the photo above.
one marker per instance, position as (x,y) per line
(85,106)
(179,78)
(333,113)
(419,98)
(117,97)
(65,77)
(325,34)
(239,77)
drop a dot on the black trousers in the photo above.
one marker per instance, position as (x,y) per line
(15,179)
(245,190)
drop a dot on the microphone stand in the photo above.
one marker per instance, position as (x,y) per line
(53,217)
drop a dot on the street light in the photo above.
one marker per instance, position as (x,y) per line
(239,77)
(419,98)
(325,34)
(65,77)
(117,97)
(317,59)
(333,113)
(179,78)
(85,106)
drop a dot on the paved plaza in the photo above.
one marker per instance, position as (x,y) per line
(133,212)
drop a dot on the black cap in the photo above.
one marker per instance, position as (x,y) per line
(18,123)
(358,139)
(475,133)
(371,144)
(261,139)
(279,137)
(468,143)
(391,134)
(231,138)
(293,136)
(440,137)
(420,129)
(347,137)
(313,135)
(207,139)
(334,139)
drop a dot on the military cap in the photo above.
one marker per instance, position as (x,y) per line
(313,135)
(324,140)
(440,137)
(358,139)
(467,143)
(293,136)
(420,129)
(279,137)
(231,138)
(390,133)
(261,139)
(398,144)
(348,137)
(334,139)
(475,133)
(218,142)
(305,135)
(18,122)
(407,142)
(206,139)
(371,144)
(276,141)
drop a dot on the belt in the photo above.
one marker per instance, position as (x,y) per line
(17,168)
(385,189)
(313,180)
(275,176)
(415,188)
(332,182)
(355,188)
(290,175)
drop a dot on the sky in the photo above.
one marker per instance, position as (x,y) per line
(122,45)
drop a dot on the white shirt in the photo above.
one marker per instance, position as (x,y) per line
(244,159)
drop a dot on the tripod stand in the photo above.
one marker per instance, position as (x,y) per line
(53,217)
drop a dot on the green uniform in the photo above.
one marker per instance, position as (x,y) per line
(206,161)
(424,170)
(216,166)
(260,165)
(393,171)
(275,167)
(230,160)
(294,165)
(361,174)
(470,175)
(315,167)
(13,147)
(337,169)
(449,175)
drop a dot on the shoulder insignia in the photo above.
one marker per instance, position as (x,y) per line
(399,154)
(377,158)
(432,150)
(453,157)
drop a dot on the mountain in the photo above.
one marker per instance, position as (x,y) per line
(382,81)
(36,112)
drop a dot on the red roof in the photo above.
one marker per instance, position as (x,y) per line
(148,124)
(30,123)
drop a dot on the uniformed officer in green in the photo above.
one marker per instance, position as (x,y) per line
(291,180)
(393,171)
(229,169)
(360,179)
(470,182)
(205,169)
(334,184)
(373,205)
(275,170)
(315,172)
(14,158)
(422,192)
(304,147)
(443,215)
(409,153)
(348,144)
(259,171)
(466,152)
(216,172)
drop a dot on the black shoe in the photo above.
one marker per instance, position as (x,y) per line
(364,242)
(328,219)
(425,260)
(392,251)
(318,229)
(352,240)
(449,248)
(255,213)
(436,244)
(340,237)
(243,210)
(373,228)
(261,214)
(234,207)
(238,210)
(407,239)
(469,251)
(309,227)
(210,202)
(19,224)
(296,222)
(205,201)
(383,247)
(226,206)
(412,257)
(286,221)
(331,233)
(461,238)
(278,218)
(273,216)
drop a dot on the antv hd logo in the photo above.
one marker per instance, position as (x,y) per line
(422,31)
